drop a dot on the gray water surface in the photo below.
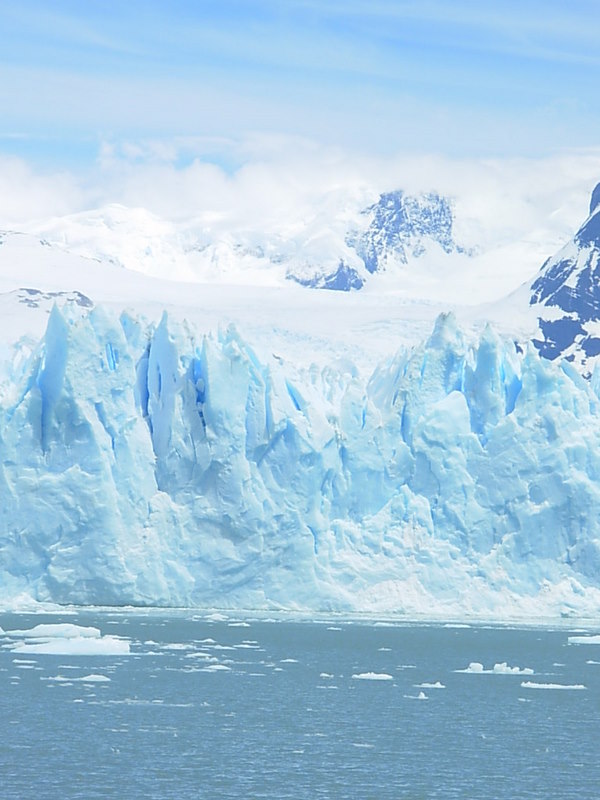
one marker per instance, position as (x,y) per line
(273,709)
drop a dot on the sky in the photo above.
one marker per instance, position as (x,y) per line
(379,76)
(94,92)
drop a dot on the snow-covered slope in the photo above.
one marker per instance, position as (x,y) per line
(157,465)
(299,325)
(566,296)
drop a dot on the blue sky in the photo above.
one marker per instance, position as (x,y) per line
(183,79)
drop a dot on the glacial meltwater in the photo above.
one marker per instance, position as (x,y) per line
(148,704)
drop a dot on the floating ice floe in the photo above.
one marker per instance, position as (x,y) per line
(476,668)
(436,685)
(93,678)
(66,639)
(61,630)
(584,639)
(373,676)
(216,668)
(533,685)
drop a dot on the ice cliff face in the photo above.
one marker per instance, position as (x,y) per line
(151,466)
(567,295)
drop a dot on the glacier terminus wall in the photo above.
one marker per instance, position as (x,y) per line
(154,465)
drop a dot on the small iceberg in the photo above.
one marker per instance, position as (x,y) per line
(420,696)
(66,639)
(476,668)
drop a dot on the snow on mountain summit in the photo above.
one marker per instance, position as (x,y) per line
(133,238)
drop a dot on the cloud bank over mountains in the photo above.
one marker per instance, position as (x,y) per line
(277,182)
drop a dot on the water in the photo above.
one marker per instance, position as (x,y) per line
(287,719)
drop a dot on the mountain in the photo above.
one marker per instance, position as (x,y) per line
(159,465)
(566,296)
(389,233)
(401,226)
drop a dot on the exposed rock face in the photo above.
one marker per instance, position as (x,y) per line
(567,293)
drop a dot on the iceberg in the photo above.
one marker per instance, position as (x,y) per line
(155,465)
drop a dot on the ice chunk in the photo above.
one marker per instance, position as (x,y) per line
(504,669)
(216,668)
(373,676)
(584,639)
(474,666)
(498,669)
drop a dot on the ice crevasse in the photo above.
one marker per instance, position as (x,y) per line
(152,465)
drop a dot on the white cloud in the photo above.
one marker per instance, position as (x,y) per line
(279,184)
(27,194)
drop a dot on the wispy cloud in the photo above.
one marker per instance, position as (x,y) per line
(378,76)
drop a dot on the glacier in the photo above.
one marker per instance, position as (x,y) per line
(160,465)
